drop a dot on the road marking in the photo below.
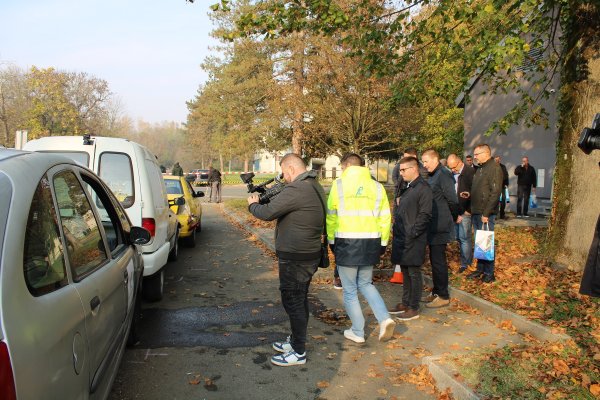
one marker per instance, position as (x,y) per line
(153,354)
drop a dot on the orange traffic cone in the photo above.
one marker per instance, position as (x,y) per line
(397,277)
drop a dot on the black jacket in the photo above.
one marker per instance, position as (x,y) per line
(411,221)
(299,214)
(590,282)
(504,175)
(214,176)
(486,189)
(445,206)
(526,176)
(465,182)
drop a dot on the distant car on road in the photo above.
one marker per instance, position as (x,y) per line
(70,274)
(189,212)
(200,177)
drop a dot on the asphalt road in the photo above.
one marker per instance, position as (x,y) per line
(210,336)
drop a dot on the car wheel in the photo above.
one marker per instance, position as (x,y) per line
(153,286)
(190,241)
(174,253)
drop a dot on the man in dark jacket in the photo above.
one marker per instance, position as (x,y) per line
(177,170)
(590,282)
(300,215)
(487,184)
(214,180)
(503,199)
(412,217)
(441,228)
(527,179)
(400,184)
(463,176)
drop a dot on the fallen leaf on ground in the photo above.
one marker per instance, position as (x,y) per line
(322,384)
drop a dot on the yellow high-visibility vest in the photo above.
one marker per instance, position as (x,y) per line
(358,207)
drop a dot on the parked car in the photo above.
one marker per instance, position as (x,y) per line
(189,212)
(70,271)
(133,174)
(201,177)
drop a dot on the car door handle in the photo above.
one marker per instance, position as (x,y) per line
(125,276)
(95,302)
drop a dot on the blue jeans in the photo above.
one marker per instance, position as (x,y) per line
(487,267)
(355,278)
(464,236)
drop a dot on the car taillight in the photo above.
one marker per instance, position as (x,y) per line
(150,224)
(7,382)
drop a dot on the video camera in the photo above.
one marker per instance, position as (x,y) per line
(590,137)
(266,193)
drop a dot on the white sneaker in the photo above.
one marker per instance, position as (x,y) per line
(348,334)
(283,347)
(386,330)
(288,359)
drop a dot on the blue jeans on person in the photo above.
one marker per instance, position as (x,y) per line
(360,278)
(485,266)
(464,236)
(294,280)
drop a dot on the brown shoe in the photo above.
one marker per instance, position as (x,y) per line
(437,302)
(429,298)
(408,315)
(399,309)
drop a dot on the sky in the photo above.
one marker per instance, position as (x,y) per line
(148,51)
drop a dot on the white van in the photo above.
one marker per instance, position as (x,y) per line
(132,173)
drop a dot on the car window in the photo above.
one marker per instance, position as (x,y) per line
(173,186)
(116,170)
(80,157)
(159,193)
(85,247)
(107,213)
(43,258)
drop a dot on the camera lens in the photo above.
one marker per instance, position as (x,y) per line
(589,140)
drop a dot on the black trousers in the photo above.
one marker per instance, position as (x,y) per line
(502,203)
(523,192)
(294,280)
(413,286)
(439,270)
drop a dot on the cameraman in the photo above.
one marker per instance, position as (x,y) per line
(299,213)
(590,282)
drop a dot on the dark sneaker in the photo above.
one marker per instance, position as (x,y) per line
(475,275)
(288,359)
(488,278)
(337,283)
(283,347)
(399,309)
(408,315)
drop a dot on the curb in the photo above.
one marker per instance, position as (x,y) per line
(444,380)
(499,314)
(267,241)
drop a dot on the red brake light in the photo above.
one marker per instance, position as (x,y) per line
(150,224)
(7,382)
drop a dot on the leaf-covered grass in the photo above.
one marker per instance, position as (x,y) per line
(527,285)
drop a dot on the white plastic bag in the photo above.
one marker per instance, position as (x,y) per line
(484,244)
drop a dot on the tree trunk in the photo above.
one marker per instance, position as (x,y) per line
(297,132)
(576,192)
(246,161)
(221,163)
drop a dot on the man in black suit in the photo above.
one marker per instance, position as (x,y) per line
(503,200)
(463,178)
(526,181)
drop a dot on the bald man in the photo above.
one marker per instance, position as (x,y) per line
(463,178)
(300,213)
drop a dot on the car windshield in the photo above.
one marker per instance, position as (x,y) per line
(173,186)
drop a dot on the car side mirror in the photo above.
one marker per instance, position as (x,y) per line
(177,202)
(199,193)
(138,235)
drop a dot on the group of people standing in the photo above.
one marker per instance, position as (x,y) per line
(433,204)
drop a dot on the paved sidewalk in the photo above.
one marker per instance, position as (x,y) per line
(395,369)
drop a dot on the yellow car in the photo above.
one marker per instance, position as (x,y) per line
(185,203)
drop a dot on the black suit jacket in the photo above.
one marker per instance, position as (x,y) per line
(465,181)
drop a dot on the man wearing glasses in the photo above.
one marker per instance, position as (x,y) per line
(463,178)
(487,185)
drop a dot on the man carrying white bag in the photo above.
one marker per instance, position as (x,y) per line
(486,189)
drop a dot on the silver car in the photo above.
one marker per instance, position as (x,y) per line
(69,278)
